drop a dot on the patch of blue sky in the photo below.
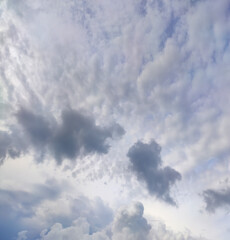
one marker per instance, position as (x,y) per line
(169,31)
(205,166)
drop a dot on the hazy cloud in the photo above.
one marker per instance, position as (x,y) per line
(22,235)
(160,232)
(146,163)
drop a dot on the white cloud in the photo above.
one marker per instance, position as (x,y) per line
(79,230)
(129,224)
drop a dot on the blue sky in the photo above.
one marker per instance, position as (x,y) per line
(114,120)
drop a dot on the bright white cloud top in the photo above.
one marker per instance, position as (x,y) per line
(114,119)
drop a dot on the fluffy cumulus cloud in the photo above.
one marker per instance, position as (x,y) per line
(88,219)
(26,213)
(78,230)
(146,163)
(128,224)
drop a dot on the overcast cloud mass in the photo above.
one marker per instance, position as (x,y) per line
(114,119)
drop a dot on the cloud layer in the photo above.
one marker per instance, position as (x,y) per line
(71,70)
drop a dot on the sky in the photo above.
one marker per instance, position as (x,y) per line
(114,120)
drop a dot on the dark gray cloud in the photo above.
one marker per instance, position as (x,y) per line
(76,135)
(79,134)
(36,126)
(146,163)
(216,199)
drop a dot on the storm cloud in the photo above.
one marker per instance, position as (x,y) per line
(76,135)
(146,163)
(216,199)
